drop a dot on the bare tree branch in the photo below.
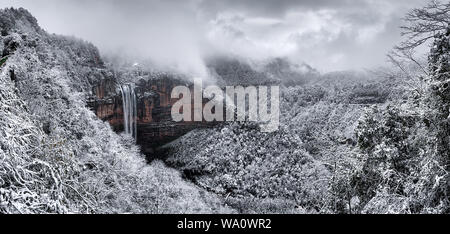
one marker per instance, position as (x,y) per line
(424,23)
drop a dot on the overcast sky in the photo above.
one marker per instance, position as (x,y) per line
(327,34)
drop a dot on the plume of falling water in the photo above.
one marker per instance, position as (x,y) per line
(129,109)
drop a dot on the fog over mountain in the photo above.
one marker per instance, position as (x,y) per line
(329,35)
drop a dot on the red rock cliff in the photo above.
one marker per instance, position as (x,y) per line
(154,123)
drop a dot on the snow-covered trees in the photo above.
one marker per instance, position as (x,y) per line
(291,169)
(439,96)
(405,148)
(56,156)
(437,103)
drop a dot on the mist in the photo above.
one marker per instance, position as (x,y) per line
(179,35)
(166,33)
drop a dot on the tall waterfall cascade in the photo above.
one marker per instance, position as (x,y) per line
(129,109)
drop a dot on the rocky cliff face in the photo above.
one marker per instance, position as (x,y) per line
(154,122)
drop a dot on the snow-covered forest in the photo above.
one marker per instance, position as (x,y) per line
(374,141)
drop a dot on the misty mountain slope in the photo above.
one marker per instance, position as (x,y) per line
(233,72)
(56,155)
(238,71)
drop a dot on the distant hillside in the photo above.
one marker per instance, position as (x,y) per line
(234,71)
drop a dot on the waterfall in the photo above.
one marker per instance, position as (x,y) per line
(129,109)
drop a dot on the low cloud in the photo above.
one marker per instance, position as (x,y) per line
(328,34)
